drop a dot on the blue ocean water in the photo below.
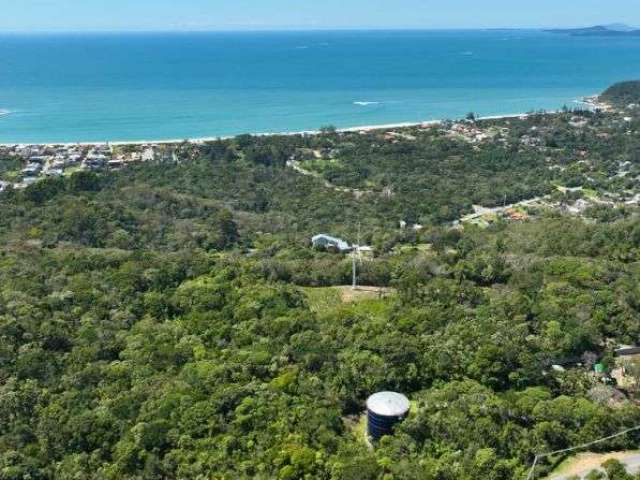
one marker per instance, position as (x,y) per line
(183,85)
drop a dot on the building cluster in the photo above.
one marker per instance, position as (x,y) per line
(473,133)
(41,161)
(302,154)
(534,138)
(613,379)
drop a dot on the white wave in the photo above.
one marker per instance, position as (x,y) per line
(467,53)
(4,112)
(366,104)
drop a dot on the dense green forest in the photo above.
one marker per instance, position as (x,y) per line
(171,320)
(623,93)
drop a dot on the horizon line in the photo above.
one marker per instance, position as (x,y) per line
(282,29)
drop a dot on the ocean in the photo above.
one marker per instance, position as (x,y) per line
(153,86)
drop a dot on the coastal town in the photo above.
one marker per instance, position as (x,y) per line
(481,271)
(39,161)
(319,240)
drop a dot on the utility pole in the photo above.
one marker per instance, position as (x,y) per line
(353,259)
(354,253)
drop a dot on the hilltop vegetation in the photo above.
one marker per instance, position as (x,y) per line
(623,94)
(134,364)
(159,321)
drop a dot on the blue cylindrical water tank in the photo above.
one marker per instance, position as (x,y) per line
(384,411)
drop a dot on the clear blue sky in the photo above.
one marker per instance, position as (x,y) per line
(76,15)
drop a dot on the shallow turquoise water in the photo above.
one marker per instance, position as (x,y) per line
(168,86)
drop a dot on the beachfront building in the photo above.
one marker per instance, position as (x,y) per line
(32,169)
(327,242)
(148,155)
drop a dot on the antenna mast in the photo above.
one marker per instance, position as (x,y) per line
(353,259)
(356,252)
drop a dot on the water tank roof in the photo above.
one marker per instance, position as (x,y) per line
(388,404)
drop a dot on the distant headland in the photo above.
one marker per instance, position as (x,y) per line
(131,87)
(622,94)
(613,30)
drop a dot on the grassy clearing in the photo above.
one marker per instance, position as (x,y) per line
(70,171)
(320,166)
(322,298)
(420,247)
(349,295)
(365,300)
(11,176)
(583,463)
(590,194)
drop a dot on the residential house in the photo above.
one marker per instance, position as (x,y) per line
(327,242)
(32,169)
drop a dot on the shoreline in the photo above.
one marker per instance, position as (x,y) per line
(363,128)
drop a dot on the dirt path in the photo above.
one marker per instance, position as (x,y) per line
(298,168)
(583,463)
(349,295)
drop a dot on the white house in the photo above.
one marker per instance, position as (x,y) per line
(328,242)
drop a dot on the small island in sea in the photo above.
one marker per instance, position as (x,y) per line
(99,87)
(614,30)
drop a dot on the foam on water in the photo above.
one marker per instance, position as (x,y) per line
(98,87)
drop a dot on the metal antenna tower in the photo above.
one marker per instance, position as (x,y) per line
(355,253)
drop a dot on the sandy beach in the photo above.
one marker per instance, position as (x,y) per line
(363,128)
